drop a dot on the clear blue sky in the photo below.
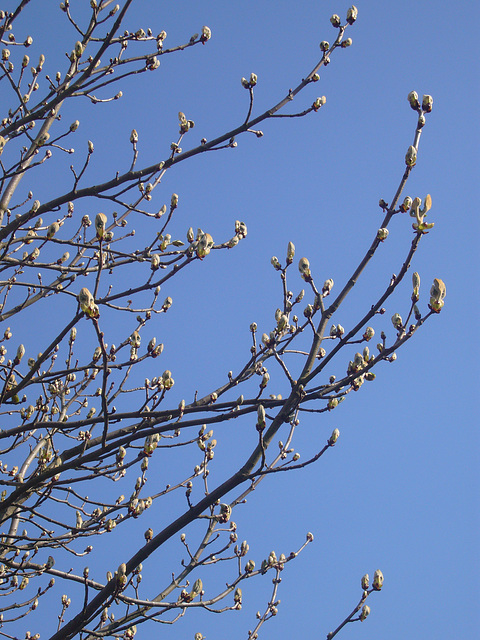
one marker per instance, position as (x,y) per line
(400,490)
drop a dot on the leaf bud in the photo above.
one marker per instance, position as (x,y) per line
(427,103)
(324,45)
(382,234)
(413,100)
(304,268)
(365,581)
(100,222)
(206,34)
(377,580)
(406,204)
(365,612)
(352,14)
(290,252)
(437,295)
(411,156)
(335,20)
(334,437)
(397,321)
(319,102)
(276,264)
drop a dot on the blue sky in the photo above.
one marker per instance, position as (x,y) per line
(400,490)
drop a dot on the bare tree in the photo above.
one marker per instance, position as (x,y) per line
(81,422)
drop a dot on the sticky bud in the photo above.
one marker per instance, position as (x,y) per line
(411,156)
(427,103)
(377,580)
(334,437)
(352,14)
(413,100)
(365,612)
(304,268)
(437,295)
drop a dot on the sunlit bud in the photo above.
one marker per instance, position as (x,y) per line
(155,261)
(421,121)
(199,636)
(52,229)
(327,286)
(282,323)
(206,34)
(90,146)
(190,235)
(352,14)
(20,354)
(413,100)
(265,379)
(369,333)
(365,612)
(416,285)
(365,581)
(167,303)
(261,416)
(25,61)
(290,252)
(427,103)
(416,312)
(304,268)
(100,222)
(148,534)
(346,43)
(340,330)
(250,566)
(78,49)
(225,512)
(197,588)
(324,45)
(276,264)
(308,311)
(315,77)
(205,243)
(397,321)
(335,20)
(437,293)
(134,136)
(245,83)
(334,437)
(253,79)
(78,520)
(85,299)
(382,234)
(411,156)
(332,403)
(5,54)
(319,102)
(407,203)
(377,580)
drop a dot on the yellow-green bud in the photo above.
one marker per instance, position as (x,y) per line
(411,156)
(377,580)
(352,14)
(427,103)
(365,612)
